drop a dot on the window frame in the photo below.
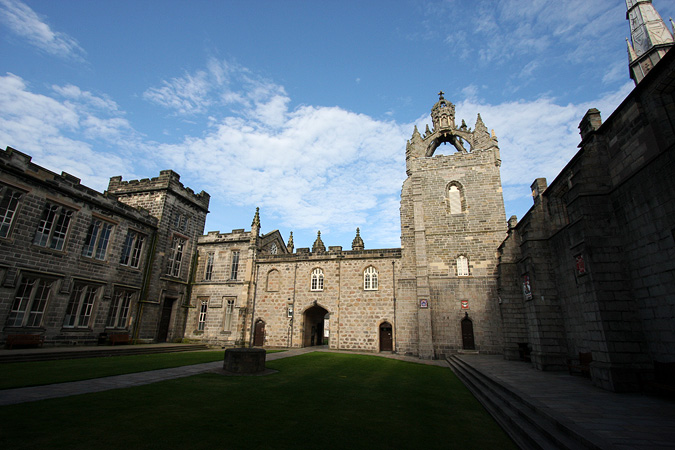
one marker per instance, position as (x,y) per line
(462,263)
(132,249)
(9,207)
(234,265)
(208,267)
(229,313)
(80,307)
(52,230)
(120,306)
(27,311)
(97,239)
(370,279)
(201,319)
(316,280)
(176,253)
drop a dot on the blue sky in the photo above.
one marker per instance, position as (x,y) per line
(302,108)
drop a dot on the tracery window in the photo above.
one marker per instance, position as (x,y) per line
(370,279)
(317,280)
(274,249)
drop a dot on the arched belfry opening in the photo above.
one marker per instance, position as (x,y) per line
(316,324)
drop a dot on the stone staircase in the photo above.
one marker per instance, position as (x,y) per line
(530,424)
(94,352)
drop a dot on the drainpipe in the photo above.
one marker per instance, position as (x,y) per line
(145,286)
(255,291)
(295,278)
(393,293)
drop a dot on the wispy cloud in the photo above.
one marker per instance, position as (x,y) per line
(26,24)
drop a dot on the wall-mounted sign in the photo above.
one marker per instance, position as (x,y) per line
(580,264)
(424,303)
(465,304)
(527,289)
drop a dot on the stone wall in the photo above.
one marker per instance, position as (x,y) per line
(355,313)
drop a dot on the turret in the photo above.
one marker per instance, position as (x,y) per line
(650,38)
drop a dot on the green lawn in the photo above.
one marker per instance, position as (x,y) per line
(316,401)
(36,373)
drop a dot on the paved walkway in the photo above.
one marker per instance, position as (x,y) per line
(627,421)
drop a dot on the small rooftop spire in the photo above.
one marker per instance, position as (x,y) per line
(290,245)
(357,243)
(318,244)
(256,218)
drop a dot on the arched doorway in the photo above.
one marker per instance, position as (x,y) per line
(467,333)
(315,318)
(259,334)
(386,337)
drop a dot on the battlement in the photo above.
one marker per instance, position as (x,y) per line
(334,252)
(168,180)
(14,162)
(213,237)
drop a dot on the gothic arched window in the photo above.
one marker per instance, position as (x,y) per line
(273,279)
(462,266)
(455,198)
(370,279)
(317,280)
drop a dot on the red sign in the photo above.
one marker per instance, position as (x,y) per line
(580,264)
(465,304)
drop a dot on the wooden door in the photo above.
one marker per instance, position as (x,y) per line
(259,334)
(467,334)
(386,337)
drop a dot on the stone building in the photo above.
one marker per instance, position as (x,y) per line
(75,263)
(434,296)
(591,268)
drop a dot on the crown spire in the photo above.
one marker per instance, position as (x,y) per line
(650,38)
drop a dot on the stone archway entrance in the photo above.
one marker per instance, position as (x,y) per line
(315,318)
(467,334)
(386,337)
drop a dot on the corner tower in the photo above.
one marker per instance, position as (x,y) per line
(650,38)
(452,222)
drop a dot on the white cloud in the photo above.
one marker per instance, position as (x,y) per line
(25,23)
(56,133)
(536,138)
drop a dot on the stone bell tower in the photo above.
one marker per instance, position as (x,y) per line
(452,223)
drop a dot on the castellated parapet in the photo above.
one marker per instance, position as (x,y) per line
(167,180)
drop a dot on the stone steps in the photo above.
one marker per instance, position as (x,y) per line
(529,424)
(95,352)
